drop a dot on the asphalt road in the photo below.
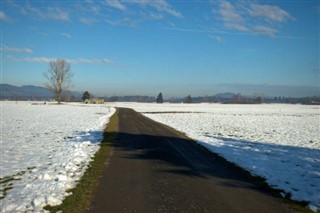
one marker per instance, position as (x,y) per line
(153,168)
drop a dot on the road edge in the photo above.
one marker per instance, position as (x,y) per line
(300,206)
(83,194)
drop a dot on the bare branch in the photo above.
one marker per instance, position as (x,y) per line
(59,76)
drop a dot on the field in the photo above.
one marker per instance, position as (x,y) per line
(278,142)
(46,148)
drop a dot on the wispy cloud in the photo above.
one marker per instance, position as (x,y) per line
(88,7)
(67,35)
(259,30)
(124,21)
(212,31)
(160,5)
(56,13)
(143,10)
(72,61)
(231,17)
(3,16)
(32,60)
(89,61)
(155,16)
(88,21)
(269,13)
(90,12)
(216,38)
(115,4)
(51,13)
(263,30)
(5,48)
(94,8)
(259,19)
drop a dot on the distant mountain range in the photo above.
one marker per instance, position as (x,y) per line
(28,92)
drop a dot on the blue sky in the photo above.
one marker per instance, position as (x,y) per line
(180,47)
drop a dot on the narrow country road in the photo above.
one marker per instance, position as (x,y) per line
(155,169)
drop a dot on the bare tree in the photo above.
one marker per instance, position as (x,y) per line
(59,78)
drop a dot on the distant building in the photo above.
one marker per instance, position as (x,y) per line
(94,101)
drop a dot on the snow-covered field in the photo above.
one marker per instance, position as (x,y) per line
(278,142)
(44,150)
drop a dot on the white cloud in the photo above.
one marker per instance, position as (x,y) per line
(5,48)
(262,30)
(236,26)
(213,31)
(89,61)
(95,9)
(33,60)
(256,30)
(89,7)
(144,10)
(71,61)
(88,21)
(216,38)
(89,12)
(228,12)
(67,35)
(160,5)
(270,13)
(57,14)
(251,18)
(154,16)
(232,18)
(124,21)
(3,16)
(53,13)
(115,4)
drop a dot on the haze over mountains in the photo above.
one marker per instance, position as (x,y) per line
(30,92)
(36,92)
(8,90)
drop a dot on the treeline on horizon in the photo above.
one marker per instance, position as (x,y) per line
(36,93)
(226,98)
(235,99)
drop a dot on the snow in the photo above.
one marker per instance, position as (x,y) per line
(278,142)
(44,150)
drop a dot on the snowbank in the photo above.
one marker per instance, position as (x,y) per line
(45,149)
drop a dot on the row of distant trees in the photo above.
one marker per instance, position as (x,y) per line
(59,76)
(187,99)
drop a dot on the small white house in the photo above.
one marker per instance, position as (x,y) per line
(94,101)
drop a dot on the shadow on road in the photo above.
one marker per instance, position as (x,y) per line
(184,157)
(154,168)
